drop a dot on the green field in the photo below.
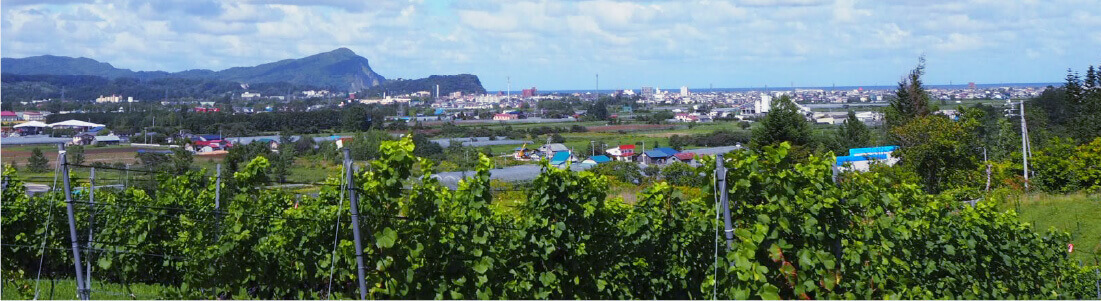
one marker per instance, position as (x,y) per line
(1078,214)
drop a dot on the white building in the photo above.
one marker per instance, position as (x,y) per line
(762,105)
(248,95)
(684,91)
(111,98)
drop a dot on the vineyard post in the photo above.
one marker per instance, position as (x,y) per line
(91,227)
(355,224)
(720,175)
(217,201)
(80,290)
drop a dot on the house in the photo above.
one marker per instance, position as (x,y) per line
(273,144)
(682,117)
(83,139)
(31,116)
(506,117)
(106,140)
(660,155)
(598,159)
(685,157)
(551,148)
(560,158)
(8,116)
(624,152)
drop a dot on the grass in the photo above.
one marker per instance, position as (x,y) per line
(65,289)
(1078,214)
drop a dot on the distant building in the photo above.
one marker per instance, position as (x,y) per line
(249,95)
(530,92)
(683,91)
(506,117)
(31,116)
(456,94)
(111,98)
(762,105)
(8,116)
(624,152)
(647,91)
(861,159)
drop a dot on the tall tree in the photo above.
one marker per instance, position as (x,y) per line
(941,151)
(783,122)
(37,162)
(853,133)
(911,100)
(75,154)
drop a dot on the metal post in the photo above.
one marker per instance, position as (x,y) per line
(80,290)
(1024,144)
(361,272)
(91,227)
(218,202)
(218,189)
(720,175)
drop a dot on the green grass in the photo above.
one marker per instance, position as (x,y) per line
(1077,214)
(65,289)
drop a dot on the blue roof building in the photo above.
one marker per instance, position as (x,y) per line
(560,157)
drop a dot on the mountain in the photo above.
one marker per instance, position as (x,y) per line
(340,69)
(466,83)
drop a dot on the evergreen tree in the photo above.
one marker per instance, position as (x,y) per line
(853,133)
(910,100)
(75,155)
(1073,87)
(783,122)
(1091,79)
(37,162)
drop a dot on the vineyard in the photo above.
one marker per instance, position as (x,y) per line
(797,234)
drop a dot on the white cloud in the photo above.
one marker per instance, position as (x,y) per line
(554,39)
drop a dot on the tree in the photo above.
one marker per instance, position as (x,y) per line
(556,138)
(283,160)
(626,172)
(37,162)
(75,155)
(911,100)
(939,150)
(853,133)
(784,122)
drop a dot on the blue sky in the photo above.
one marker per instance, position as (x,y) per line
(564,44)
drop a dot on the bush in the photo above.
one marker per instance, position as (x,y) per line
(628,172)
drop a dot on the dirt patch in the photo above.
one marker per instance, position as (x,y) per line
(630,127)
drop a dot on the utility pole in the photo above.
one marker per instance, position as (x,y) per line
(1024,144)
(360,270)
(81,291)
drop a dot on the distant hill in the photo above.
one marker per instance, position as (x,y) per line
(340,70)
(466,83)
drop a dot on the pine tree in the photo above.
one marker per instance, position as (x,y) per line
(1091,79)
(853,133)
(784,122)
(1073,87)
(37,162)
(911,100)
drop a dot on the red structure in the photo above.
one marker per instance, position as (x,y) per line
(530,92)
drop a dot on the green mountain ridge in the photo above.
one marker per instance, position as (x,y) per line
(340,69)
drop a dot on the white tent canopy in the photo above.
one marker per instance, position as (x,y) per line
(32,124)
(75,123)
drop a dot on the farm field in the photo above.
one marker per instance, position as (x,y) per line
(1078,214)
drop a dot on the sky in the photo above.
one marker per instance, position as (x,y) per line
(559,45)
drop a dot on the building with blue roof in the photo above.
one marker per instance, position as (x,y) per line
(861,159)
(561,157)
(659,155)
(598,159)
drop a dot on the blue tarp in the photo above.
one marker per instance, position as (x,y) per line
(661,152)
(560,157)
(843,159)
(867,150)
